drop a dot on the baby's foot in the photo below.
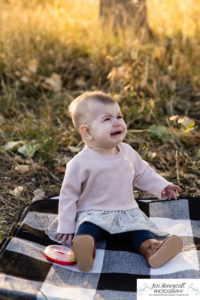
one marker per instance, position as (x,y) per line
(158,253)
(84,250)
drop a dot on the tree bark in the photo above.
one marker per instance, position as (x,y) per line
(121,15)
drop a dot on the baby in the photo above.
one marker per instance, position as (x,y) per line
(96,198)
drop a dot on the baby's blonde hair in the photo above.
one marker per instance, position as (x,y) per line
(78,107)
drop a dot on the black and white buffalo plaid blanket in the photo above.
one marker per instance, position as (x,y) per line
(26,274)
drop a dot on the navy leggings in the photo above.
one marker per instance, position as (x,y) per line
(136,238)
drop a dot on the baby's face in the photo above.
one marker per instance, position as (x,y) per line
(106,126)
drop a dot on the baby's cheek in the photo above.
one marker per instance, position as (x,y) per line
(107,129)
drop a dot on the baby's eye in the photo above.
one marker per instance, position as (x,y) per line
(107,119)
(119,117)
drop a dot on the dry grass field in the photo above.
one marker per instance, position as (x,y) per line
(53,50)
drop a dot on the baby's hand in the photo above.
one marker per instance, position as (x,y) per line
(65,237)
(170,191)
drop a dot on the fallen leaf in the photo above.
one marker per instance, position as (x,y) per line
(159,132)
(54,82)
(12,145)
(109,58)
(80,82)
(33,65)
(17,191)
(2,120)
(74,149)
(158,52)
(39,194)
(151,154)
(61,169)
(186,122)
(22,168)
(134,54)
(174,118)
(36,166)
(7,128)
(169,82)
(28,150)
(118,73)
(25,79)
(66,159)
(32,164)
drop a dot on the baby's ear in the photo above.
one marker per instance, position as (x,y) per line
(85,132)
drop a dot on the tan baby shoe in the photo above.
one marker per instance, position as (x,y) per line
(158,253)
(84,250)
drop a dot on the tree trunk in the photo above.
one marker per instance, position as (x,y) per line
(121,15)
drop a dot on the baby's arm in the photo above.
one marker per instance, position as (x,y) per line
(68,199)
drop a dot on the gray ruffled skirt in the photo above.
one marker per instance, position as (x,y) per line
(112,221)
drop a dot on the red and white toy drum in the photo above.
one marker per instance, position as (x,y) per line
(60,254)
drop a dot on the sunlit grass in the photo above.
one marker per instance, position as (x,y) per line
(25,25)
(59,45)
(50,51)
(172,16)
(40,29)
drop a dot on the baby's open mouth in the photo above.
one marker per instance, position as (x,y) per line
(116,133)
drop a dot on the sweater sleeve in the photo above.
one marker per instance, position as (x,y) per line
(147,179)
(69,196)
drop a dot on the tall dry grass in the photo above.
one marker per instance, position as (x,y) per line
(59,46)
(169,16)
(53,50)
(46,31)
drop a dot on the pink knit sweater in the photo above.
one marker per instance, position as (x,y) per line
(104,182)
